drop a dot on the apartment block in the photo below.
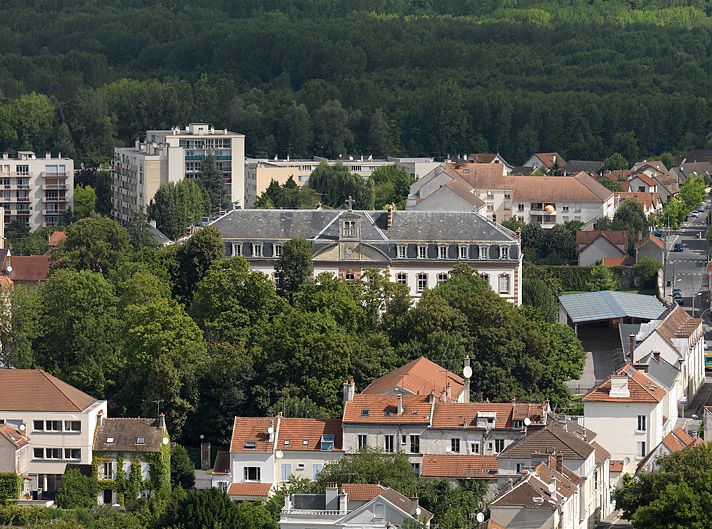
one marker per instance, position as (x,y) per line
(37,191)
(171,156)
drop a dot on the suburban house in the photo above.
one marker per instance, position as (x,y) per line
(15,455)
(131,445)
(455,467)
(627,411)
(651,203)
(544,200)
(482,157)
(594,246)
(675,441)
(652,247)
(28,270)
(667,184)
(575,453)
(415,248)
(58,419)
(650,167)
(545,161)
(679,339)
(358,506)
(642,183)
(267,451)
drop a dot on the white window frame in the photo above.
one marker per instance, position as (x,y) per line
(257,250)
(442,277)
(402,278)
(499,445)
(362,441)
(442,251)
(455,445)
(504,252)
(508,279)
(463,251)
(641,449)
(421,277)
(402,251)
(642,425)
(236,249)
(422,252)
(389,443)
(484,251)
(278,250)
(246,473)
(474,448)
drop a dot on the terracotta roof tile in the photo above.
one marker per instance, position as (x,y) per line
(678,324)
(56,238)
(601,453)
(297,431)
(17,439)
(459,466)
(649,201)
(491,524)
(618,261)
(249,489)
(125,434)
(566,481)
(616,238)
(653,239)
(640,387)
(383,409)
(547,158)
(246,430)
(677,440)
(29,267)
(419,377)
(464,414)
(483,157)
(644,177)
(616,466)
(47,393)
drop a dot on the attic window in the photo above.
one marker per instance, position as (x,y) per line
(387,413)
(327,442)
(305,442)
(140,440)
(109,439)
(364,413)
(251,444)
(286,442)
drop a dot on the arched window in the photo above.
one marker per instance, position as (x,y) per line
(503,284)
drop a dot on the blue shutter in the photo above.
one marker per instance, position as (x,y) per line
(286,471)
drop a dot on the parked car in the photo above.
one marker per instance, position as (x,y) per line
(708,361)
(677,247)
(695,214)
(678,300)
(659,234)
(676,291)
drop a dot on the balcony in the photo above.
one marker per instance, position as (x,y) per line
(47,212)
(55,175)
(52,200)
(51,187)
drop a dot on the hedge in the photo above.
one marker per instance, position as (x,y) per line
(574,278)
(10,486)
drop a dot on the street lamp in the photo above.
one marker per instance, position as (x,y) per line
(693,303)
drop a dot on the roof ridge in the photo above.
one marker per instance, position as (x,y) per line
(51,379)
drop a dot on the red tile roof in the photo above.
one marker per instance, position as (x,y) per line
(29,267)
(35,390)
(645,178)
(678,324)
(618,261)
(547,158)
(491,524)
(248,430)
(459,414)
(653,239)
(483,157)
(616,466)
(419,377)
(459,466)
(616,238)
(56,237)
(297,431)
(640,387)
(649,201)
(250,489)
(383,409)
(17,439)
(677,440)
(5,282)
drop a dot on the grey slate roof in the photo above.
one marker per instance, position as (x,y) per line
(158,236)
(587,166)
(660,370)
(608,304)
(550,438)
(125,432)
(318,225)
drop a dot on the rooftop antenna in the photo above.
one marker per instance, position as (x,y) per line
(158,406)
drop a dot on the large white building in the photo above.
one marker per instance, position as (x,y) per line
(36,190)
(259,173)
(59,420)
(416,248)
(543,200)
(171,156)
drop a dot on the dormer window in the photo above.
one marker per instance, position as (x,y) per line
(442,252)
(140,440)
(327,442)
(422,252)
(349,228)
(286,442)
(256,250)
(402,251)
(365,413)
(484,252)
(464,252)
(250,445)
(305,442)
(504,252)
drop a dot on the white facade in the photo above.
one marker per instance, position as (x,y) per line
(56,438)
(36,190)
(171,156)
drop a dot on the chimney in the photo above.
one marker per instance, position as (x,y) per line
(331,497)
(100,418)
(152,223)
(559,462)
(5,156)
(414,504)
(162,421)
(287,502)
(448,391)
(467,370)
(349,390)
(48,155)
(343,502)
(431,398)
(389,223)
(399,398)
(656,356)
(619,386)
(631,338)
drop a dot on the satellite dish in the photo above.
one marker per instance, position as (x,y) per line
(626,460)
(279,454)
(9,269)
(418,510)
(527,421)
(467,372)
(480,517)
(549,208)
(448,449)
(22,427)
(165,440)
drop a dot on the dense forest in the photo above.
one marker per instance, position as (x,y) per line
(305,77)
